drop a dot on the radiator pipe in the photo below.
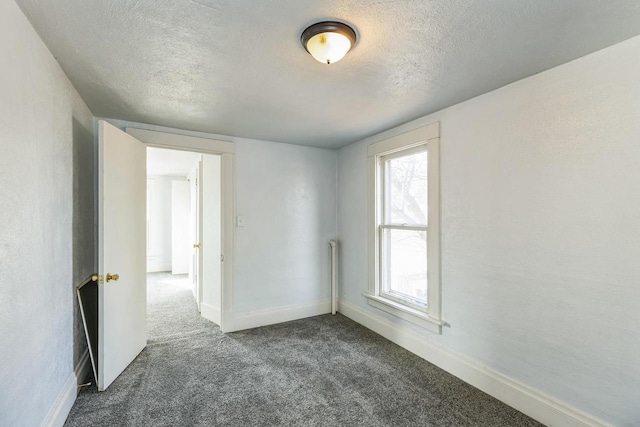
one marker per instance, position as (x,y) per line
(334,279)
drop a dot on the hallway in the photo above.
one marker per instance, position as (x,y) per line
(172,313)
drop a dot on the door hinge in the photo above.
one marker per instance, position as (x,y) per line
(221,258)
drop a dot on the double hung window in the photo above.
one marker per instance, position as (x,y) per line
(404,226)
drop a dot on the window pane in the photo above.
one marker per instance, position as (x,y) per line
(406,188)
(404,263)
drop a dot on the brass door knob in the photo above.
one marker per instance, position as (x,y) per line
(112,277)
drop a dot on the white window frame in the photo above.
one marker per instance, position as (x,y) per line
(428,137)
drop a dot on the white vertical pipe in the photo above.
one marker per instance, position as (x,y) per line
(334,294)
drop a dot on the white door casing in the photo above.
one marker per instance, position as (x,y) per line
(225,150)
(122,239)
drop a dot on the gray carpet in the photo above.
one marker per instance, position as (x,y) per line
(320,371)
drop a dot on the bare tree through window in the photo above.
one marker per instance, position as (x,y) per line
(404,226)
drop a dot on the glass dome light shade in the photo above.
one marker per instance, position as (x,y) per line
(328,41)
(328,47)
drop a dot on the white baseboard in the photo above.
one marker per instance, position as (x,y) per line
(158,268)
(235,322)
(158,264)
(210,313)
(60,410)
(533,403)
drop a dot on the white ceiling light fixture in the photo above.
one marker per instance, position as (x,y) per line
(328,41)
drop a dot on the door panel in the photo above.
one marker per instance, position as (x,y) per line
(122,237)
(195,214)
(199,235)
(211,231)
(193,230)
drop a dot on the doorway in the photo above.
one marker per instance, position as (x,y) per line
(122,236)
(184,238)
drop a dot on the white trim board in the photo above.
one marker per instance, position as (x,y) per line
(533,403)
(405,140)
(210,313)
(270,317)
(406,313)
(181,142)
(60,410)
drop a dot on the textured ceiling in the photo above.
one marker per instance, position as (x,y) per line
(237,67)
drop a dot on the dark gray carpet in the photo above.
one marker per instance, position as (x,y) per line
(321,371)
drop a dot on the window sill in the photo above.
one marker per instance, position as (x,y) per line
(406,313)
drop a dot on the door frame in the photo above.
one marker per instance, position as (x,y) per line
(226,151)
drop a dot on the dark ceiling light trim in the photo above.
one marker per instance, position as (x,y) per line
(328,27)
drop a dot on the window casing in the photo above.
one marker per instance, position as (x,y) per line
(404,226)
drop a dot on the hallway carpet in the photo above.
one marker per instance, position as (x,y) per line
(320,371)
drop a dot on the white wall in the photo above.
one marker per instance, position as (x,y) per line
(180,239)
(540,231)
(47,233)
(286,194)
(211,236)
(159,223)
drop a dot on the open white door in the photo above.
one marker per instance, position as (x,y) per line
(122,295)
(195,219)
(211,232)
(199,234)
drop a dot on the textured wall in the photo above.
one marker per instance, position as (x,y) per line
(287,195)
(84,213)
(540,232)
(47,221)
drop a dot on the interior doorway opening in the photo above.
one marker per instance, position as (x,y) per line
(122,254)
(184,231)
